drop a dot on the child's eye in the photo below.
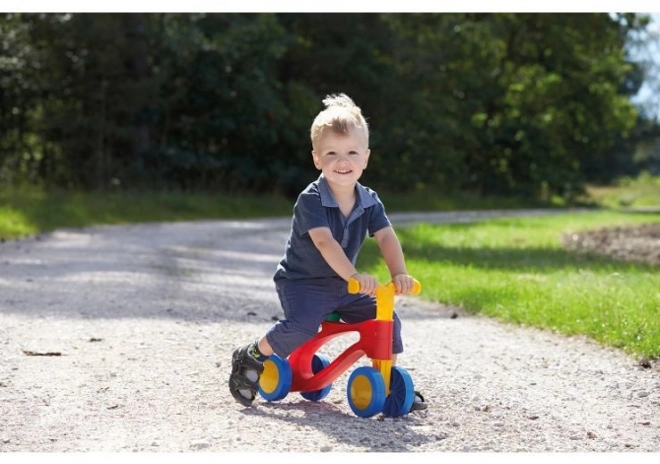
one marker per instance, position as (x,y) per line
(331,153)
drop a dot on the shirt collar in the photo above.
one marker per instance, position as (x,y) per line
(328,200)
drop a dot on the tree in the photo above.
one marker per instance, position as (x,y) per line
(506,104)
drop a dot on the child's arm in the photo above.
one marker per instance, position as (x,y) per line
(334,255)
(390,248)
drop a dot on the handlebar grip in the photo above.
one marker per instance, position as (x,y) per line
(354,286)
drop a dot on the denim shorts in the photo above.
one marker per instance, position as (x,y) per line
(306,303)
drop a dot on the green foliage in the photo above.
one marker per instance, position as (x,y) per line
(532,105)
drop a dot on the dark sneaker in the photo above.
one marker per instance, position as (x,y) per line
(244,378)
(418,403)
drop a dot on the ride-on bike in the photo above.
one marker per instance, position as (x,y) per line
(380,387)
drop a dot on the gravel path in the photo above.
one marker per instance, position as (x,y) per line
(120,338)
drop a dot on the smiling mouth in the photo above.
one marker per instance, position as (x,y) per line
(348,171)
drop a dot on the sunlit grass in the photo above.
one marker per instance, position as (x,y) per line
(429,200)
(30,211)
(516,270)
(643,191)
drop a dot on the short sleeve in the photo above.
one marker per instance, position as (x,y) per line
(377,218)
(309,213)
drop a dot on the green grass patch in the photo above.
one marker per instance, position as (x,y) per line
(31,211)
(517,271)
(28,211)
(643,191)
(429,200)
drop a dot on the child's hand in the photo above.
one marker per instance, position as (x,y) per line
(368,283)
(403,283)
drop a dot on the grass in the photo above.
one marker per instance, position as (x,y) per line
(425,200)
(643,191)
(32,211)
(517,271)
(29,211)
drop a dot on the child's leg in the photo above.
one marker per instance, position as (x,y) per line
(264,346)
(305,306)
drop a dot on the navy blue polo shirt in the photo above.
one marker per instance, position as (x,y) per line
(317,207)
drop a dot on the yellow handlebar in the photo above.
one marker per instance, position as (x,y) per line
(354,286)
(384,312)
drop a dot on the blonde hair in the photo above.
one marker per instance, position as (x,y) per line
(341,114)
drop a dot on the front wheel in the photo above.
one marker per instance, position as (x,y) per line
(366,391)
(275,380)
(402,393)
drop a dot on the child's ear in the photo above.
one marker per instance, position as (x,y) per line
(317,161)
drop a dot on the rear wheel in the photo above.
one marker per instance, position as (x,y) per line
(319,362)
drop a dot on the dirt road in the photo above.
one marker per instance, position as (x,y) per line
(120,338)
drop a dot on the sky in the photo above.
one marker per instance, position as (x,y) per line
(646,94)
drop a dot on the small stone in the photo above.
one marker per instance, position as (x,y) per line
(645,363)
(643,394)
(200,444)
(326,449)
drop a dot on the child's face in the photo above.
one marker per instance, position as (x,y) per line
(341,157)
